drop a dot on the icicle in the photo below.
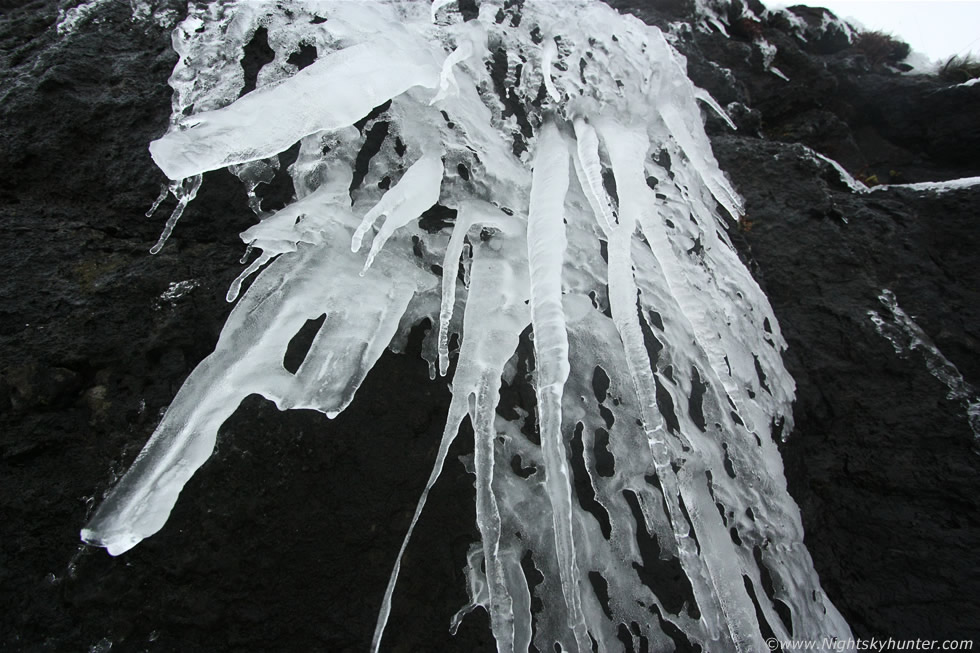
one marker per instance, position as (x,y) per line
(457,411)
(450,266)
(164,191)
(546,248)
(447,80)
(548,55)
(589,172)
(495,317)
(719,569)
(705,97)
(415,192)
(248,252)
(243,131)
(468,214)
(254,266)
(295,288)
(185,191)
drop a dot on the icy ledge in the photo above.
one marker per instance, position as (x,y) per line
(933,186)
(856,186)
(586,246)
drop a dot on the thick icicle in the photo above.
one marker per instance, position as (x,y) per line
(248,359)
(546,249)
(353,80)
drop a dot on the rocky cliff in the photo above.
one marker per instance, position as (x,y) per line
(283,541)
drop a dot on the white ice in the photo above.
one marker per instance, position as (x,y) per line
(574,254)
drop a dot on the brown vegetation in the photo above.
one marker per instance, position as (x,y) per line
(881,48)
(960,69)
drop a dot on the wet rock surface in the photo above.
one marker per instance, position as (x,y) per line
(284,540)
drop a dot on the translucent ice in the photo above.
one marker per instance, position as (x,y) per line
(589,245)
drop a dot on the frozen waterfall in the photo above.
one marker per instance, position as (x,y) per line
(590,220)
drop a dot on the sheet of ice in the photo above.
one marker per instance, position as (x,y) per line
(577,264)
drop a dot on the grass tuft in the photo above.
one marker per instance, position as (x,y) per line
(958,69)
(881,48)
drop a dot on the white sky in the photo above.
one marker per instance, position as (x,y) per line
(936,28)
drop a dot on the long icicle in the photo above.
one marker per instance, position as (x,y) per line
(457,411)
(546,248)
(627,151)
(493,322)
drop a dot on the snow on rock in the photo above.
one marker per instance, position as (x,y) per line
(846,177)
(857,186)
(935,186)
(72,19)
(645,487)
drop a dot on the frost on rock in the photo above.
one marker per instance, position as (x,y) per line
(938,187)
(70,20)
(907,336)
(856,186)
(590,213)
(721,15)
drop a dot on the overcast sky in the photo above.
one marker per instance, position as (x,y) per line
(936,28)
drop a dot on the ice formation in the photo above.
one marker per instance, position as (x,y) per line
(906,336)
(856,186)
(70,20)
(644,488)
(938,187)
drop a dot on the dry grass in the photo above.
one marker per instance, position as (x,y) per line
(881,48)
(960,69)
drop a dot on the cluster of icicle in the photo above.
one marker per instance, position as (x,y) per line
(642,499)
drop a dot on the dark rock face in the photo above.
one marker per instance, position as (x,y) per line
(285,539)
